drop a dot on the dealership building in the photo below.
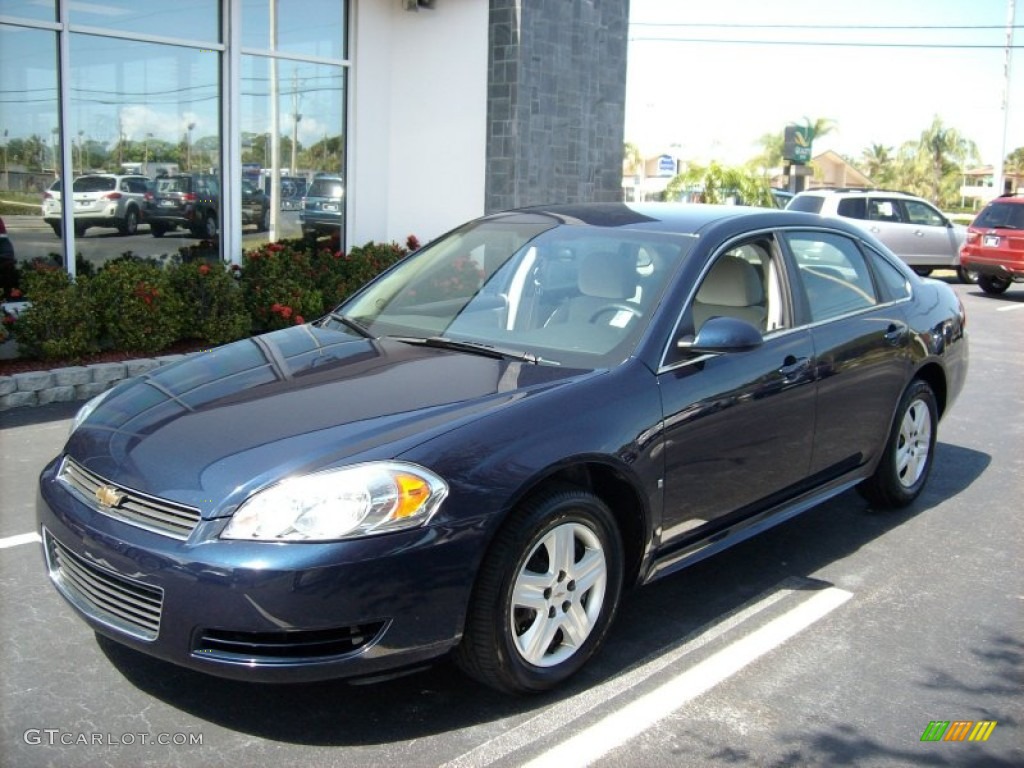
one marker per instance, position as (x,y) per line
(431,112)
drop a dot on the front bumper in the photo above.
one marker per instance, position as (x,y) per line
(260,611)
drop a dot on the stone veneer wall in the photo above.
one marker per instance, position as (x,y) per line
(556,101)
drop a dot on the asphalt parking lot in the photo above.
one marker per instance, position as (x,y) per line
(832,640)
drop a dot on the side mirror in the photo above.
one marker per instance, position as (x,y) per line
(723,334)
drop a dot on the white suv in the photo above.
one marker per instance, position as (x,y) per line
(912,228)
(101,200)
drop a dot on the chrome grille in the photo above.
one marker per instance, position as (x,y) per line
(133,507)
(111,599)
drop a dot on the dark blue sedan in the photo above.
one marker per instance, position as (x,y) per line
(477,453)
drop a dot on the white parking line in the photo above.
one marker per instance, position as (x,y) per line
(557,717)
(1011,308)
(602,737)
(21,538)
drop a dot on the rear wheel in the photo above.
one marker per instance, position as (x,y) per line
(130,225)
(546,595)
(993,285)
(158,230)
(907,459)
(922,271)
(209,229)
(969,276)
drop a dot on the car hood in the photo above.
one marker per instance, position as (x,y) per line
(211,429)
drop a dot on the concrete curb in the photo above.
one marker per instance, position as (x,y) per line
(77,382)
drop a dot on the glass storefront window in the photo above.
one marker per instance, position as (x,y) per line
(29,134)
(309,136)
(304,27)
(190,19)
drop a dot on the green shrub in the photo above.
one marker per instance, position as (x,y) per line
(138,310)
(60,322)
(212,309)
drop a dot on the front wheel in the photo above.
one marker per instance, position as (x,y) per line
(922,271)
(546,595)
(969,276)
(906,461)
(993,285)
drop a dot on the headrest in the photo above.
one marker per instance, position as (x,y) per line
(732,282)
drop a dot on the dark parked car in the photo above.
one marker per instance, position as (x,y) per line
(322,207)
(995,244)
(479,451)
(192,201)
(188,200)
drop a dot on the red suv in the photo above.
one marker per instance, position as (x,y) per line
(995,244)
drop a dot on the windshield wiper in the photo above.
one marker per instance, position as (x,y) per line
(473,347)
(352,323)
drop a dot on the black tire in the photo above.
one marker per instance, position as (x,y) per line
(968,276)
(909,452)
(80,230)
(158,230)
(497,629)
(56,228)
(922,271)
(209,227)
(130,225)
(264,223)
(993,285)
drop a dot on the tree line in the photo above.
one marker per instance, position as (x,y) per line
(930,166)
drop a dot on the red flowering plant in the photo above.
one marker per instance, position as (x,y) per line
(137,308)
(56,324)
(288,282)
(212,309)
(277,277)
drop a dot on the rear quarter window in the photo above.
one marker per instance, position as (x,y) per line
(853,208)
(808,203)
(1002,216)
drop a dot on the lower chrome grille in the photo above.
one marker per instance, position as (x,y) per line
(133,507)
(111,599)
(286,646)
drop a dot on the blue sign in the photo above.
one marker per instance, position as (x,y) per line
(666,165)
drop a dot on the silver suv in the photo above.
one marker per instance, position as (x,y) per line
(912,228)
(101,200)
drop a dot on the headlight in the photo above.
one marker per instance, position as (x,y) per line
(86,410)
(344,503)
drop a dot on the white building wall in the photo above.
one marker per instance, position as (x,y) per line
(417,119)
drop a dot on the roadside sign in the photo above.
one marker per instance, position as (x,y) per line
(797,143)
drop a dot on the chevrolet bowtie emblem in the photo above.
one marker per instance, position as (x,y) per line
(108,496)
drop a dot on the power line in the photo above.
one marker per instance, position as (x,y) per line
(827,43)
(739,25)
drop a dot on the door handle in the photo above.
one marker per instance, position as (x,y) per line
(895,333)
(793,367)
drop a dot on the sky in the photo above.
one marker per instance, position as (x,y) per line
(880,69)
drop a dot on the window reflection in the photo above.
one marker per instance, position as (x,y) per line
(304,27)
(194,19)
(29,131)
(42,10)
(309,134)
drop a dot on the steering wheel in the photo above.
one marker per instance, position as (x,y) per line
(618,306)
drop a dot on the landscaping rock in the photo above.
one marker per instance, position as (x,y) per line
(72,376)
(17,400)
(7,385)
(63,394)
(87,391)
(107,373)
(33,381)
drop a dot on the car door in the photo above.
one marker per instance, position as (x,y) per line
(739,425)
(861,345)
(885,220)
(933,239)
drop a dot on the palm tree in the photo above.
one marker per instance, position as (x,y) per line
(941,154)
(877,161)
(821,126)
(716,183)
(632,158)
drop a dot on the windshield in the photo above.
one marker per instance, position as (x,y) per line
(567,294)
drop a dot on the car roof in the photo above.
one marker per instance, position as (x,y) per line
(838,191)
(680,218)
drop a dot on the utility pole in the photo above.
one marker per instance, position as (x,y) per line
(999,176)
